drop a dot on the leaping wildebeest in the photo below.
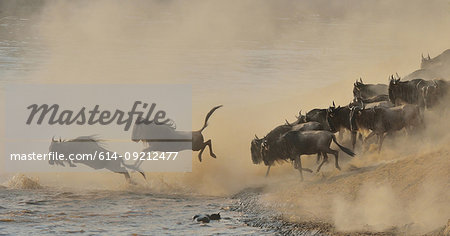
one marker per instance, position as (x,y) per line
(143,132)
(88,146)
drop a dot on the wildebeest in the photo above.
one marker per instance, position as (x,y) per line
(89,145)
(435,92)
(428,62)
(338,119)
(318,115)
(143,132)
(407,92)
(297,143)
(265,149)
(384,120)
(205,218)
(368,91)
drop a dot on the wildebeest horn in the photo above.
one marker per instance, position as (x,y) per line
(429,56)
(287,122)
(397,75)
(256,137)
(334,104)
(53,139)
(300,113)
(59,139)
(423,59)
(360,79)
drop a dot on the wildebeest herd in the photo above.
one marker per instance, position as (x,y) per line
(376,109)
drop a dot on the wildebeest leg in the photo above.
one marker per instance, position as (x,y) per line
(267,172)
(299,166)
(336,157)
(115,166)
(369,136)
(380,144)
(126,174)
(325,159)
(353,136)
(318,158)
(207,143)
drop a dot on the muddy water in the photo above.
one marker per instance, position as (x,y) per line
(51,211)
(260,74)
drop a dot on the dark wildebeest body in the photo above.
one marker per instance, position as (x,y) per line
(89,145)
(338,119)
(382,120)
(192,139)
(369,91)
(364,123)
(318,115)
(434,93)
(297,143)
(408,92)
(272,152)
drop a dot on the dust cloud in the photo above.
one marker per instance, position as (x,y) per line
(264,61)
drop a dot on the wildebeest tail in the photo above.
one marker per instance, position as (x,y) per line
(209,115)
(344,149)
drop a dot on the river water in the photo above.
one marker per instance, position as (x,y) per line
(248,60)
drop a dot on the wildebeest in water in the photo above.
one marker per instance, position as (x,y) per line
(90,145)
(153,134)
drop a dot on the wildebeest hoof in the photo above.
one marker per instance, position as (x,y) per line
(307,169)
(213,155)
(337,167)
(200,159)
(201,218)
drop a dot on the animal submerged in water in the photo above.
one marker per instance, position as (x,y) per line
(205,218)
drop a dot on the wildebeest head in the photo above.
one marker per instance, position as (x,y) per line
(56,147)
(300,118)
(425,61)
(393,87)
(332,116)
(255,149)
(357,86)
